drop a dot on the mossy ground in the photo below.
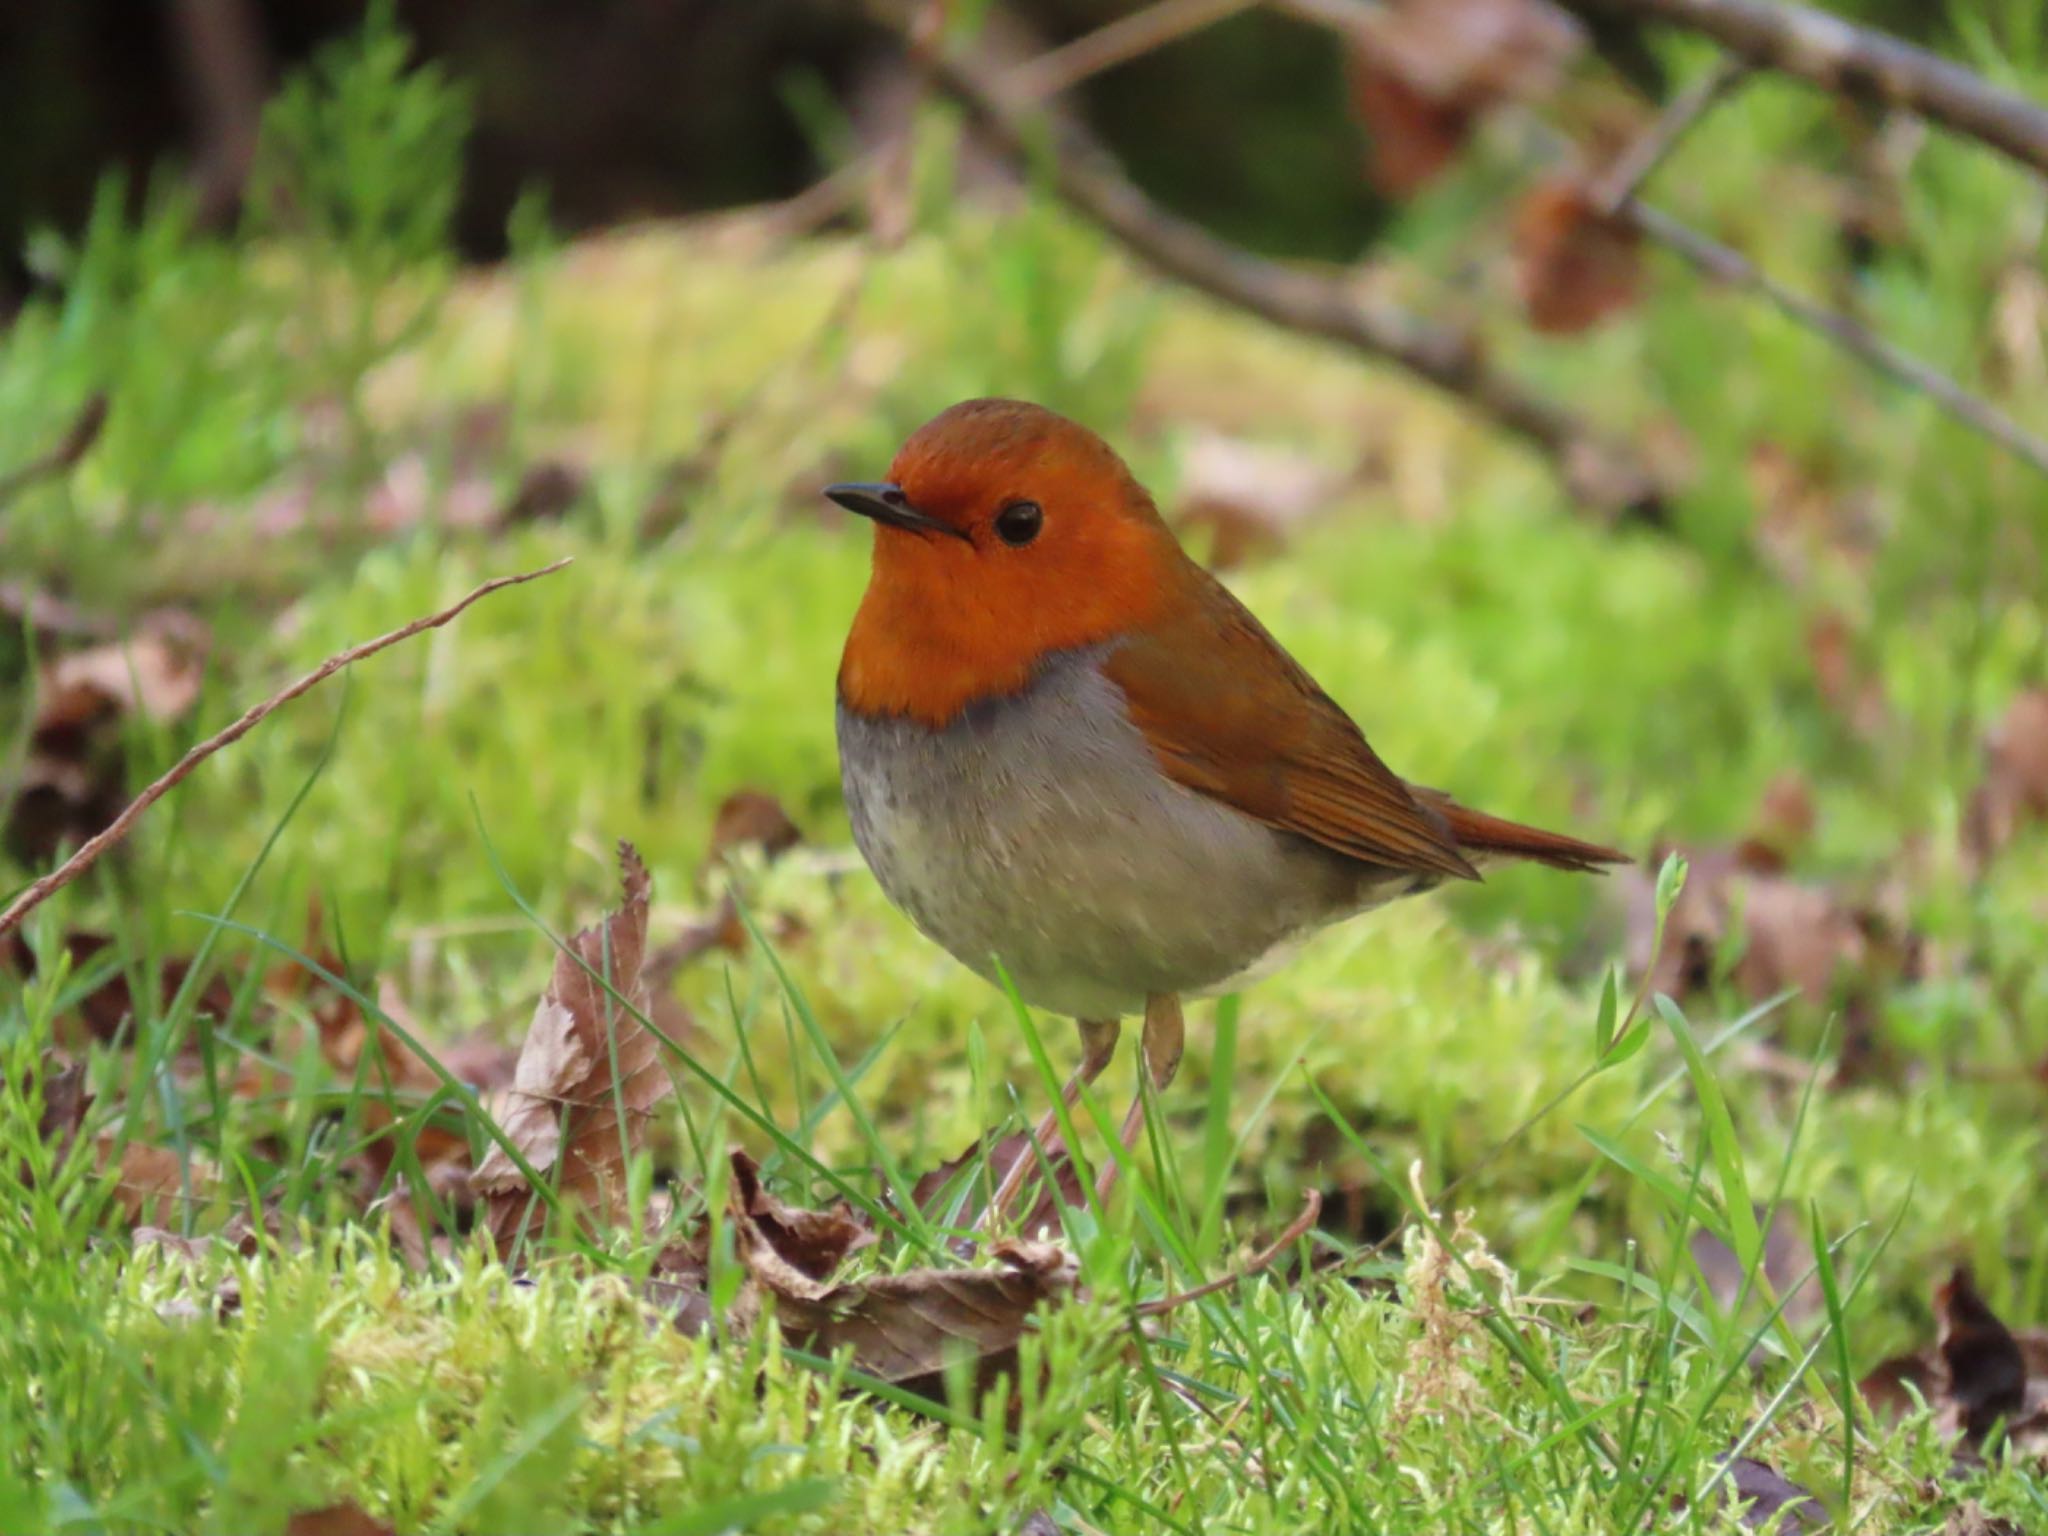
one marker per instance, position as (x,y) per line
(1636,685)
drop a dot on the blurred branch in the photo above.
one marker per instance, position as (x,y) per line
(221,43)
(84,430)
(89,852)
(1639,162)
(1615,195)
(1727,265)
(1602,473)
(1859,61)
(1120,41)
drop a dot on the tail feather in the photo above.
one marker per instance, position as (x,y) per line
(1478,834)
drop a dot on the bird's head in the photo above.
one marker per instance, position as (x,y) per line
(1004,533)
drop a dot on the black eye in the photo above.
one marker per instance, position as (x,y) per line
(1019,522)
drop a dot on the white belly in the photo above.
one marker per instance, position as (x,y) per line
(1037,830)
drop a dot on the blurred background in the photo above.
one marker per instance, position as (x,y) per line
(1707,516)
(627,109)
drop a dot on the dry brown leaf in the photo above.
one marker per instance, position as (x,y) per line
(72,784)
(1971,1520)
(2014,791)
(1782,826)
(336,1520)
(1041,1220)
(751,818)
(746,818)
(1423,72)
(1986,1374)
(1772,1502)
(562,1110)
(1977,1374)
(814,1243)
(109,1009)
(1248,497)
(1788,1266)
(1809,516)
(1412,139)
(906,1329)
(1574,265)
(1791,934)
(150,1182)
(1846,684)
(65,1102)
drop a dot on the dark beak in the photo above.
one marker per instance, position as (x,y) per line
(887,504)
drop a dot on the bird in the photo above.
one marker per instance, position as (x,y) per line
(1073,758)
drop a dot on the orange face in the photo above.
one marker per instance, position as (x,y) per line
(1005,533)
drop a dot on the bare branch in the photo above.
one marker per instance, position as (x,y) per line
(1595,470)
(88,853)
(1838,55)
(78,438)
(1730,266)
(1639,162)
(1120,41)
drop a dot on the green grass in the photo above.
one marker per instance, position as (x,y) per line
(1547,1363)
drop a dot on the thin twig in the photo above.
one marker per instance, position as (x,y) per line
(1859,61)
(1258,1262)
(1597,471)
(89,853)
(1119,42)
(83,431)
(1051,73)
(1727,265)
(1625,178)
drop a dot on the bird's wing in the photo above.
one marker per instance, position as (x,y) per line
(1231,715)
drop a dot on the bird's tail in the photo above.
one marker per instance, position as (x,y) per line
(1479,835)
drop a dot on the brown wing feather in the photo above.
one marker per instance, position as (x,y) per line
(1230,714)
(1480,834)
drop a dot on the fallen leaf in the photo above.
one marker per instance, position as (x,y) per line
(1788,1266)
(1782,826)
(65,1102)
(751,818)
(1248,497)
(1789,934)
(2014,791)
(562,1110)
(1978,1374)
(1772,1502)
(108,1010)
(1811,517)
(934,1191)
(1423,73)
(1986,1374)
(746,819)
(336,1520)
(907,1328)
(1411,139)
(155,674)
(1847,685)
(150,1183)
(1574,265)
(1971,1520)
(73,782)
(814,1243)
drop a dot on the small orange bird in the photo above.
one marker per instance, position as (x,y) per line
(1067,749)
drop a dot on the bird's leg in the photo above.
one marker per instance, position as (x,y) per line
(1098,1045)
(1164,1036)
